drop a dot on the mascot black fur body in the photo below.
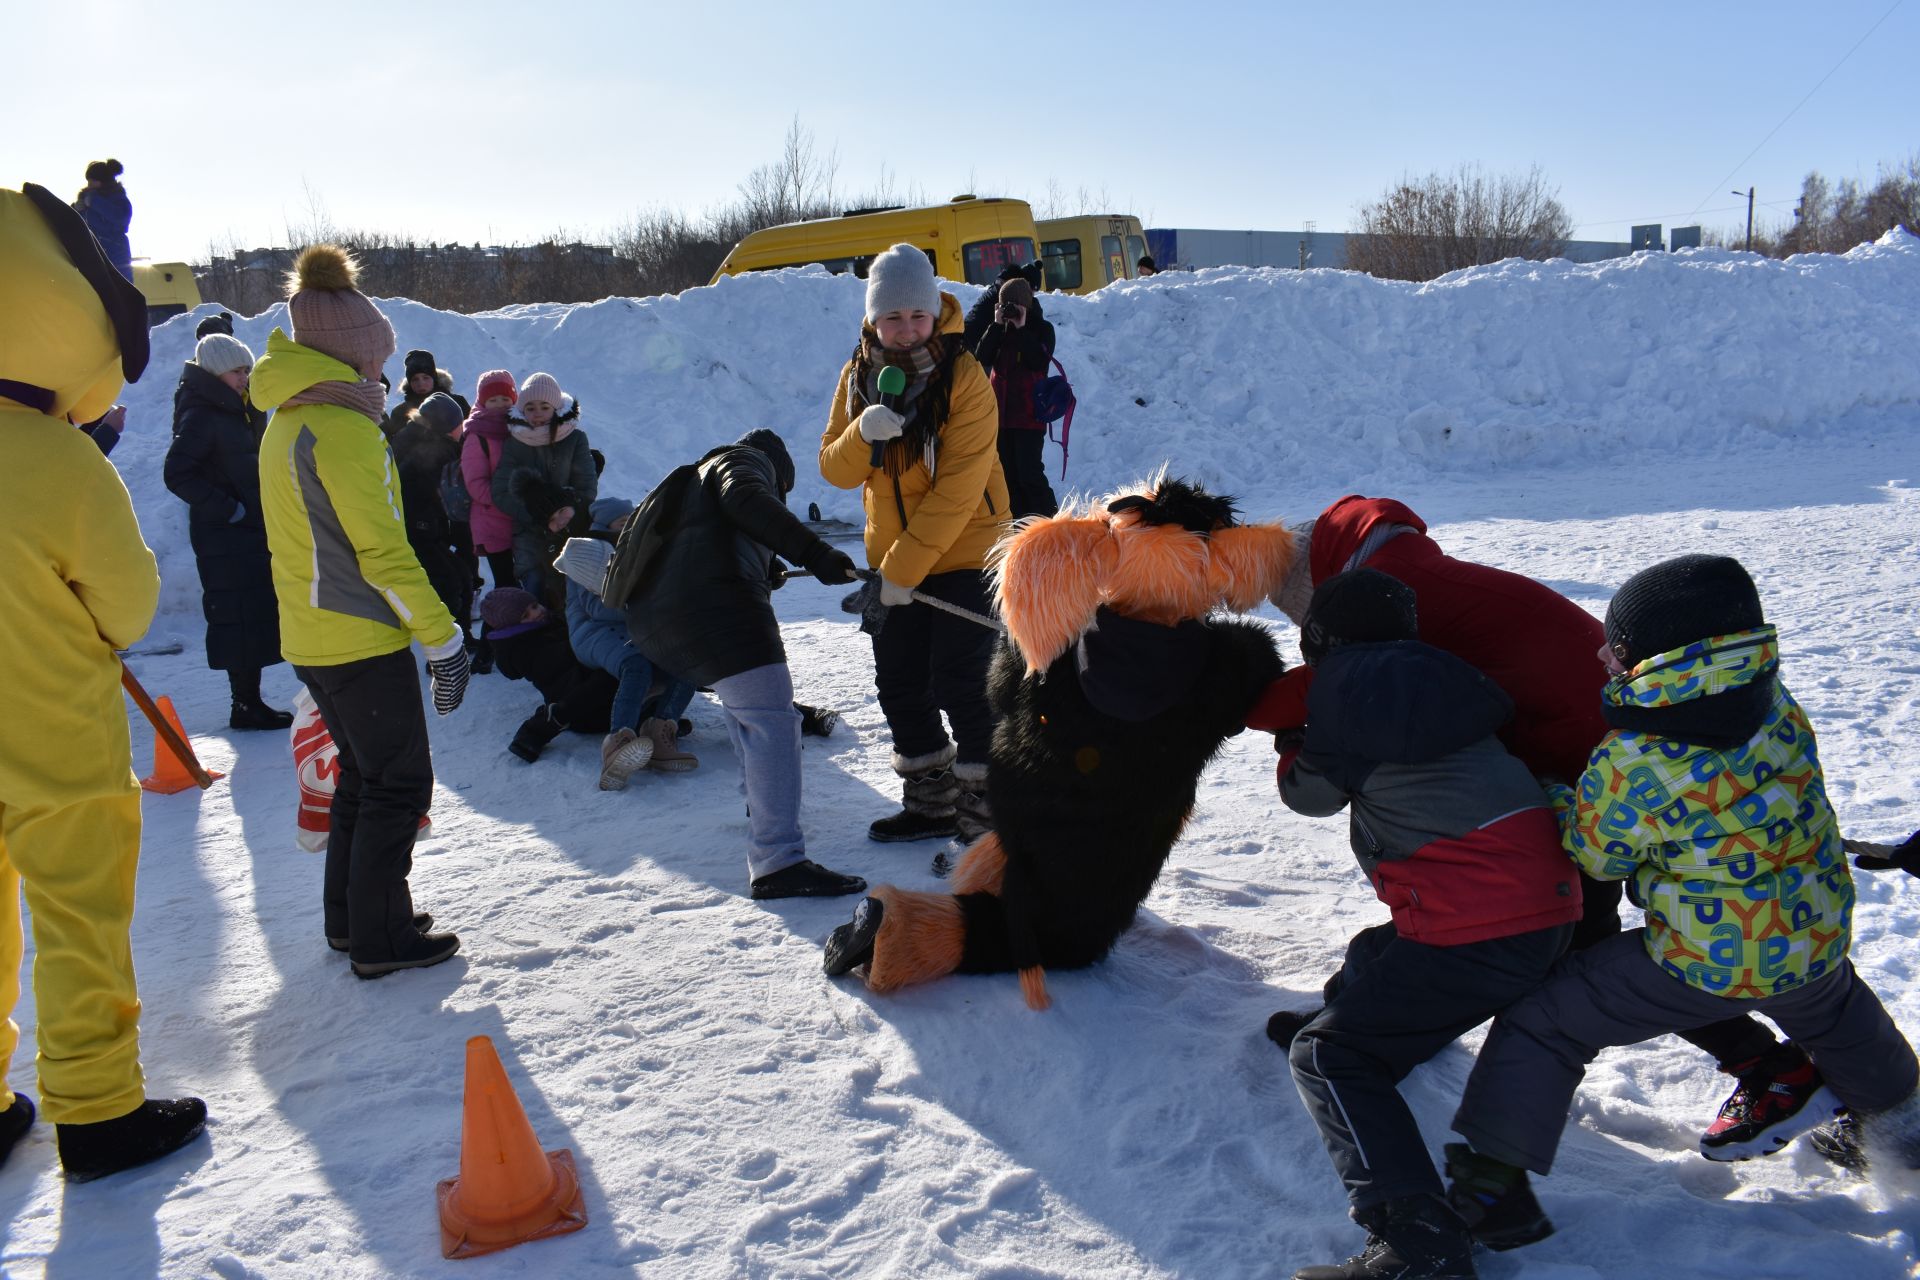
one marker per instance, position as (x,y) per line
(1113,692)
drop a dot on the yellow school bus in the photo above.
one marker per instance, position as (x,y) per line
(168,287)
(969,238)
(1082,254)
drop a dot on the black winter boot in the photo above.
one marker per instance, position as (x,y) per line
(149,1131)
(1494,1199)
(816,722)
(806,880)
(14,1123)
(535,732)
(1412,1238)
(928,790)
(422,921)
(1283,1026)
(257,715)
(851,945)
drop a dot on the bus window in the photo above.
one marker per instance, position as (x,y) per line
(1116,262)
(1136,248)
(1060,259)
(984,259)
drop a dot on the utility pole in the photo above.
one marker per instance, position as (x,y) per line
(1749,194)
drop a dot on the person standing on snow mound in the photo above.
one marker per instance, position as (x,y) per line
(936,502)
(353,598)
(1708,793)
(213,465)
(1537,645)
(703,609)
(104,206)
(79,583)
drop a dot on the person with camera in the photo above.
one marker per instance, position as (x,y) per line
(1015,347)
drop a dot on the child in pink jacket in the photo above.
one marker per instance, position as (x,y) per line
(485,436)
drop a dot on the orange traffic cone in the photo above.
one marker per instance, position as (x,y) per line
(508,1191)
(170,772)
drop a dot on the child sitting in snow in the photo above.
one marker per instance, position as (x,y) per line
(1459,841)
(527,646)
(1708,797)
(545,483)
(644,722)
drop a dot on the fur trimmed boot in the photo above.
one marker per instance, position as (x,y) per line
(971,816)
(928,790)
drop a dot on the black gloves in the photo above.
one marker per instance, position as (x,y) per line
(831,565)
(1869,856)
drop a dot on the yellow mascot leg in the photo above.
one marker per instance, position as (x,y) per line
(78,866)
(12,948)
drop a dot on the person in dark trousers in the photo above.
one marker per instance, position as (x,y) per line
(530,643)
(1536,645)
(423,449)
(936,502)
(424,377)
(353,599)
(213,465)
(103,205)
(1459,841)
(1015,347)
(1708,794)
(703,609)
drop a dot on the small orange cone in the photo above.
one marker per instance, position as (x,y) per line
(508,1191)
(170,772)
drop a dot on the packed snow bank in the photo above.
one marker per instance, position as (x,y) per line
(1281,386)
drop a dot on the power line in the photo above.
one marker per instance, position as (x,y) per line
(1658,217)
(1796,107)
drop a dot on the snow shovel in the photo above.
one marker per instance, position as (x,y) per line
(873,615)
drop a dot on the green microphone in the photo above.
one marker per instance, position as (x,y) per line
(893,380)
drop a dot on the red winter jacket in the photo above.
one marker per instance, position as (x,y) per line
(1536,644)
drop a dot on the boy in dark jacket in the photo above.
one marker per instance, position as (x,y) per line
(422,450)
(529,645)
(1459,841)
(1708,796)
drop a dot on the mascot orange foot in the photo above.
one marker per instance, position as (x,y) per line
(1115,690)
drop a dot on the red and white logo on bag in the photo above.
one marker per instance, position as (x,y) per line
(317,765)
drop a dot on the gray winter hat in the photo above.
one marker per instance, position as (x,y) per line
(441,412)
(901,279)
(604,511)
(220,353)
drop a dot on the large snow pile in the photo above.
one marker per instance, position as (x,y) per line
(734,1113)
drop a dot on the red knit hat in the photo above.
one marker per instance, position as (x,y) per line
(496,382)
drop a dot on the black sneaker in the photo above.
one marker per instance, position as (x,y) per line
(1413,1238)
(149,1131)
(1494,1199)
(851,945)
(432,949)
(908,825)
(14,1123)
(816,722)
(806,880)
(258,715)
(422,921)
(1283,1026)
(1840,1143)
(1768,1109)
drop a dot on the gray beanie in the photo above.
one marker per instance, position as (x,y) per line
(441,412)
(901,279)
(220,353)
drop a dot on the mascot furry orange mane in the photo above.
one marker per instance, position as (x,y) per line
(1115,690)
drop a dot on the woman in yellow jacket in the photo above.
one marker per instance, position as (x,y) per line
(353,599)
(78,582)
(936,502)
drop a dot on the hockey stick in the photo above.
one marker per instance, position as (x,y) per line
(175,743)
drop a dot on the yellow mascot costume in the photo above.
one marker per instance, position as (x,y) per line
(77,582)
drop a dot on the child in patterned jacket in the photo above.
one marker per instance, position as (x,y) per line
(1707,797)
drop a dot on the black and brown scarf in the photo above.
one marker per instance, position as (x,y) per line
(929,370)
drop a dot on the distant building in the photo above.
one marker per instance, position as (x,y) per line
(1189,248)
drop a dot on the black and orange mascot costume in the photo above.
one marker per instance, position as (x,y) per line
(1116,688)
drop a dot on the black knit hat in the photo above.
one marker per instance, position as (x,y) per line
(1679,601)
(220,323)
(1356,607)
(419,361)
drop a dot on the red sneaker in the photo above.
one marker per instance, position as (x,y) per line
(1768,1110)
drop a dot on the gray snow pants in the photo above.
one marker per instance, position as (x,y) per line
(1614,993)
(765,730)
(1393,1005)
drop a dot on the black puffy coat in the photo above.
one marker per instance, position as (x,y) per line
(1015,359)
(705,609)
(213,465)
(421,456)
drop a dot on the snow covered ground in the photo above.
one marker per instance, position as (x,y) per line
(735,1113)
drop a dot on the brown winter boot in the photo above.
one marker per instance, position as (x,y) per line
(971,816)
(667,755)
(623,753)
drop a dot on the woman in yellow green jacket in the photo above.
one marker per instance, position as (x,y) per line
(936,502)
(79,582)
(352,599)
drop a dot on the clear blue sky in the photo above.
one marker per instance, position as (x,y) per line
(496,122)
